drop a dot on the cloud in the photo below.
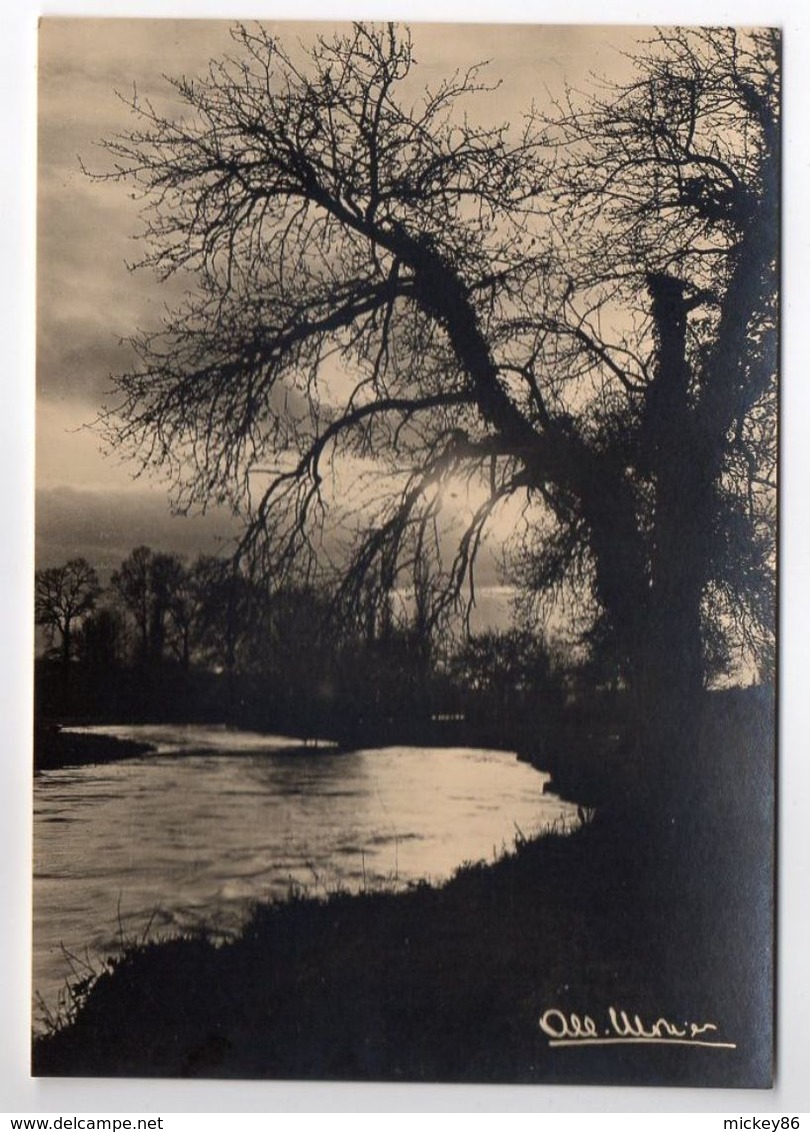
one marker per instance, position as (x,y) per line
(104,526)
(90,503)
(87,299)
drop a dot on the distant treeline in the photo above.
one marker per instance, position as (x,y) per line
(167,640)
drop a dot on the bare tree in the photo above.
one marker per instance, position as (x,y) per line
(156,589)
(64,596)
(230,613)
(172,608)
(579,314)
(184,608)
(132,584)
(101,642)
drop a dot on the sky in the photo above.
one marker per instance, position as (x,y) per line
(88,300)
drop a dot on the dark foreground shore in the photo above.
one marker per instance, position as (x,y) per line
(444,984)
(450,984)
(54,748)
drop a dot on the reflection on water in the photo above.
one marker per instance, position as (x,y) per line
(217,819)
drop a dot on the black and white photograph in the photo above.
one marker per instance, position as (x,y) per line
(405,597)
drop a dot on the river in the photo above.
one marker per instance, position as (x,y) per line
(215,820)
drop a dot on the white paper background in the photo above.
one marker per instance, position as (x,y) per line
(18,1092)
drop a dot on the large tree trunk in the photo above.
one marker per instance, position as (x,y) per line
(67,643)
(666,706)
(655,783)
(651,582)
(671,674)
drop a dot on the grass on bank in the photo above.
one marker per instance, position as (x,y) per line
(434,984)
(449,983)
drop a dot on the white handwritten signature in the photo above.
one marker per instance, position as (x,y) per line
(574,1030)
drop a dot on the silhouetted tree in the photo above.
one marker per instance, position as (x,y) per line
(185,602)
(155,588)
(580,313)
(132,583)
(174,605)
(229,613)
(64,596)
(425,616)
(101,641)
(506,666)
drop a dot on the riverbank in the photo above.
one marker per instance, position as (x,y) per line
(55,748)
(446,984)
(450,984)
